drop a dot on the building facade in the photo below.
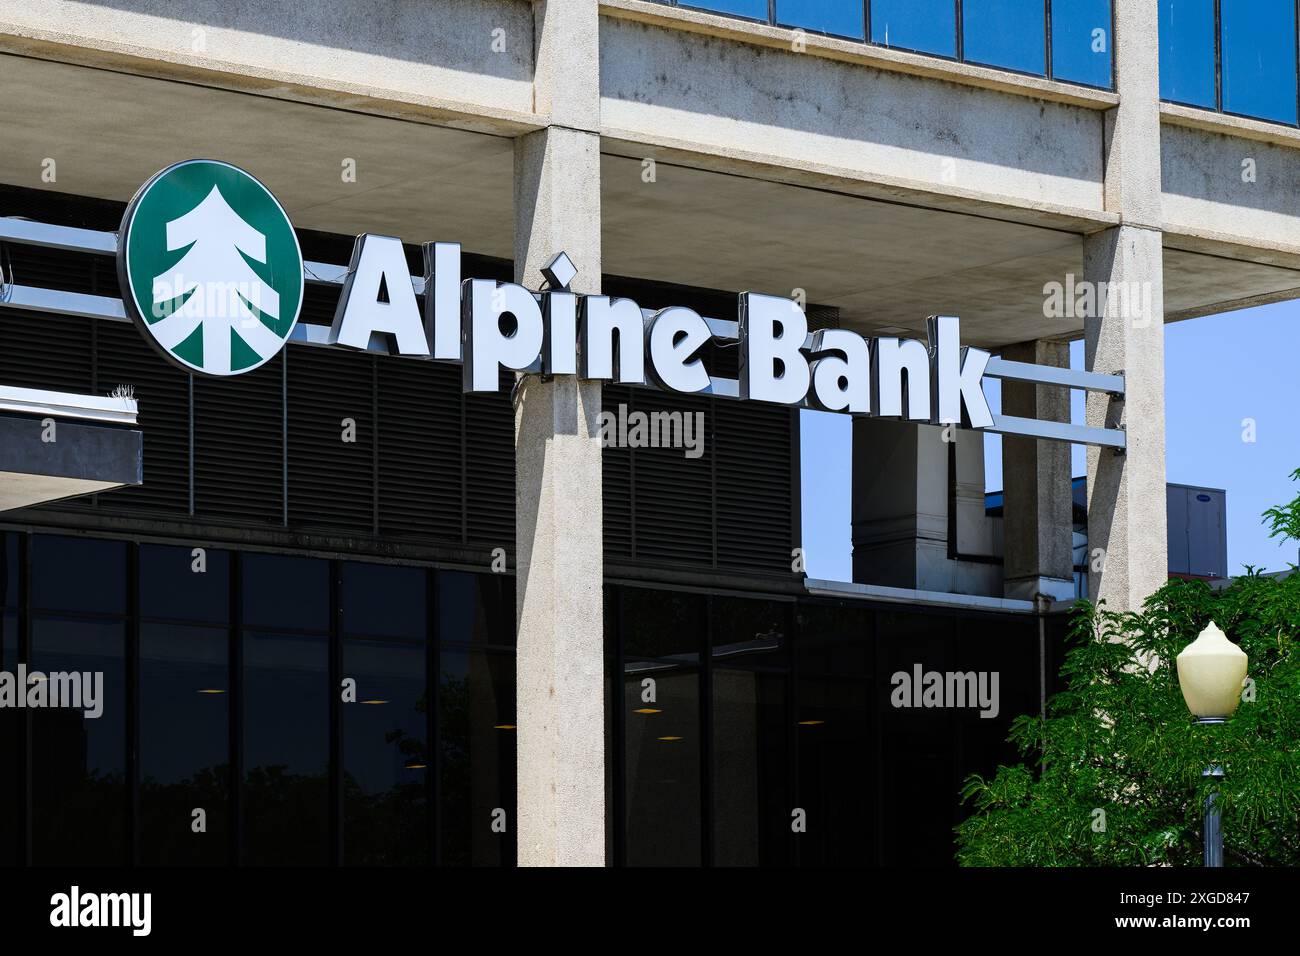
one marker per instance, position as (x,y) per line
(347,611)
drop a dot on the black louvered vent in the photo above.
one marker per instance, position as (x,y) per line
(239,446)
(421,458)
(54,352)
(732,509)
(162,391)
(754,485)
(490,467)
(331,438)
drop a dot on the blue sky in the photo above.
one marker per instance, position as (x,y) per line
(1219,371)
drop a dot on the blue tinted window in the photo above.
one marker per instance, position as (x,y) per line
(1081,41)
(1007,33)
(842,18)
(926,25)
(755,9)
(1187,52)
(1259,58)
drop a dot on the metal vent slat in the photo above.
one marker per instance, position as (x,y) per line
(239,446)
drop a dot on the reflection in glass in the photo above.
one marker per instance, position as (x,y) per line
(78,763)
(1081,41)
(476,608)
(385,756)
(928,26)
(286,748)
(836,772)
(663,624)
(754,632)
(1259,58)
(10,724)
(78,574)
(184,743)
(477,729)
(1005,33)
(751,769)
(839,19)
(173,589)
(662,765)
(381,599)
(9,542)
(1187,52)
(284,591)
(753,9)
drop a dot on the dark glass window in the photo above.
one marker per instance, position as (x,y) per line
(749,631)
(837,775)
(752,768)
(752,9)
(79,761)
(663,624)
(477,729)
(1081,41)
(1005,33)
(78,574)
(184,732)
(10,727)
(9,543)
(283,591)
(843,19)
(1187,52)
(476,608)
(178,585)
(1259,58)
(929,26)
(286,748)
(385,753)
(836,640)
(386,760)
(661,774)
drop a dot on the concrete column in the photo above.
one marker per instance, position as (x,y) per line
(1127,534)
(1037,512)
(559,579)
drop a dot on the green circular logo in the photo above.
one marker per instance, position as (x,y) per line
(210,268)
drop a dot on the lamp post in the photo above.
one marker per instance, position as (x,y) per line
(1210,672)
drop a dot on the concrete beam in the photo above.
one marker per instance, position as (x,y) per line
(44,460)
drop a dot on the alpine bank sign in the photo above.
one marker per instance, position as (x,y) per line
(212,275)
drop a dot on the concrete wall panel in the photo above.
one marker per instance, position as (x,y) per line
(690,90)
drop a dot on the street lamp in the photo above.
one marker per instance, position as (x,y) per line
(1210,672)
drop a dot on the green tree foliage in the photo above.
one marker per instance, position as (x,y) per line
(1113,775)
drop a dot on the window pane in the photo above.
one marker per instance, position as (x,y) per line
(842,17)
(79,762)
(1259,58)
(477,728)
(9,569)
(78,574)
(10,724)
(282,591)
(662,766)
(177,585)
(1187,52)
(1008,33)
(751,769)
(837,788)
(286,749)
(384,600)
(752,632)
(754,9)
(1081,41)
(385,757)
(929,26)
(184,743)
(835,640)
(664,624)
(476,608)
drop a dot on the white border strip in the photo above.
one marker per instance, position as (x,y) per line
(95,408)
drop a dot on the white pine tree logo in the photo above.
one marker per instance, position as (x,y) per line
(219,288)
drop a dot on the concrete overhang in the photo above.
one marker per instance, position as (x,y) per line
(56,445)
